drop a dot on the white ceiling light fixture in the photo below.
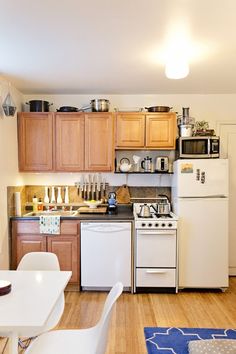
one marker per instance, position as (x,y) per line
(177,52)
(177,68)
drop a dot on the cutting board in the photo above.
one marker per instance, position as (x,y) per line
(123,195)
(87,210)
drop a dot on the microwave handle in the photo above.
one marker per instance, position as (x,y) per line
(209,146)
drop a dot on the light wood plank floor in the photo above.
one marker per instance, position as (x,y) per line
(134,312)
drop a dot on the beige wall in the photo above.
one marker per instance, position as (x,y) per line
(213,108)
(9,164)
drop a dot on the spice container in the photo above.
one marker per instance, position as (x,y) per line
(40,205)
(35,203)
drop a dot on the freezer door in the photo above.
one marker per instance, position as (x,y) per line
(199,178)
(203,242)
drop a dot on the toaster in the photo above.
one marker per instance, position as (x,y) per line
(162,164)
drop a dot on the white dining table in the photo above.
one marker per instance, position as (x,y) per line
(31,300)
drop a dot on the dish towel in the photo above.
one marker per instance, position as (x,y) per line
(49,224)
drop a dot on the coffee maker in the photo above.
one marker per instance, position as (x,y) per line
(112,203)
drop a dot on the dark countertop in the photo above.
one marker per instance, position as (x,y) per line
(124,213)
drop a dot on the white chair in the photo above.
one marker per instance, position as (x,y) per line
(42,261)
(92,340)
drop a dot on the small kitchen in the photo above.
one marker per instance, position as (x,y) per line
(137,224)
(124,193)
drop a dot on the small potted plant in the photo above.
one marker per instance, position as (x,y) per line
(202,128)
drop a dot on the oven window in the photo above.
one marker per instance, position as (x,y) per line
(194,147)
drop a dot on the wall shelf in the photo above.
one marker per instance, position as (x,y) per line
(144,173)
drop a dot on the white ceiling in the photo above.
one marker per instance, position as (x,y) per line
(116,46)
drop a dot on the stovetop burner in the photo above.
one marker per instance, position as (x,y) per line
(145,217)
(163,216)
(154,221)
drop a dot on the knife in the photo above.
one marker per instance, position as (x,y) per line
(99,185)
(104,187)
(94,187)
(85,189)
(89,187)
(82,187)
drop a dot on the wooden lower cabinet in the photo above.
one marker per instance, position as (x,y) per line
(26,238)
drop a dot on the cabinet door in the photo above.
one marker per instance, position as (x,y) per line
(161,131)
(99,142)
(35,141)
(27,243)
(130,130)
(69,142)
(67,250)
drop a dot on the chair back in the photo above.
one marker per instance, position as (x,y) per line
(43,261)
(39,261)
(103,324)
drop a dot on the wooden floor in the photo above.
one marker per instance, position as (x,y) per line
(134,312)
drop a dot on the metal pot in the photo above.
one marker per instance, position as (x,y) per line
(39,106)
(67,109)
(100,105)
(163,208)
(158,109)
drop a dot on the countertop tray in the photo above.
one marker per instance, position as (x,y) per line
(88,210)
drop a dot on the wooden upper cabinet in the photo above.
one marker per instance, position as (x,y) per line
(99,153)
(69,142)
(161,130)
(147,131)
(130,130)
(35,141)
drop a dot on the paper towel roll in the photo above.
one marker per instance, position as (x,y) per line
(17,202)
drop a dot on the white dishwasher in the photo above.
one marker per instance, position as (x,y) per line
(105,254)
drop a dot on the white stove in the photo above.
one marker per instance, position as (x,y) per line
(155,250)
(155,221)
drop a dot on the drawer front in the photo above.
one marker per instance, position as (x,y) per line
(156,249)
(32,227)
(156,277)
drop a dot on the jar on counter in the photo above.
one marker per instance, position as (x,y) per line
(35,203)
(40,205)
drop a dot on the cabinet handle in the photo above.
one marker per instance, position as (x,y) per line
(155,271)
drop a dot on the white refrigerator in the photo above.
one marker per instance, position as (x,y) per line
(200,199)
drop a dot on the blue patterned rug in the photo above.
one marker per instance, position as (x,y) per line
(173,340)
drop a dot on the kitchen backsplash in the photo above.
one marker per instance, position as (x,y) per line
(137,194)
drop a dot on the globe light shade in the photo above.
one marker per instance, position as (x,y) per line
(176,68)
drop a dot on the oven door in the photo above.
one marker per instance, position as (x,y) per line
(156,248)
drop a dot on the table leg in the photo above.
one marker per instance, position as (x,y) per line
(13,343)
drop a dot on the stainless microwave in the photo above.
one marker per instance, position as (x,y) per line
(198,147)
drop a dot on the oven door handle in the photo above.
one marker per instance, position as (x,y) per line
(159,232)
(155,271)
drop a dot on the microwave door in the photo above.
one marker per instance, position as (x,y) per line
(195,147)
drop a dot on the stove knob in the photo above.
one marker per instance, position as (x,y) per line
(143,224)
(150,225)
(156,225)
(163,225)
(170,224)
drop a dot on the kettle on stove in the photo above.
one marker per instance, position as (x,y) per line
(163,207)
(144,211)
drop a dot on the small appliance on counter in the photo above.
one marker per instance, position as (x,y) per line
(112,203)
(146,164)
(162,164)
(185,123)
